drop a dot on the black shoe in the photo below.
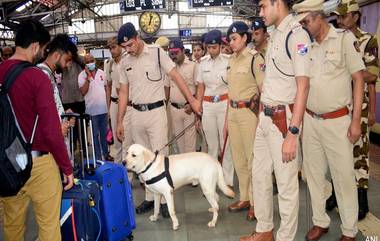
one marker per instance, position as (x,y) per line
(331,202)
(363,203)
(164,210)
(145,206)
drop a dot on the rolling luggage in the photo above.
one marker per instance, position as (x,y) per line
(80,211)
(116,201)
(80,215)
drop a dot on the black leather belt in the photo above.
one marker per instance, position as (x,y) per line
(39,153)
(178,106)
(115,100)
(147,107)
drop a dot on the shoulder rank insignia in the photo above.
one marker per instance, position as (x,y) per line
(302,49)
(262,67)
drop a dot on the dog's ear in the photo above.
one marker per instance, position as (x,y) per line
(147,156)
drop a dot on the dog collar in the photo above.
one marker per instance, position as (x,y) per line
(150,164)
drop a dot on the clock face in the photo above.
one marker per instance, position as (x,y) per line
(150,22)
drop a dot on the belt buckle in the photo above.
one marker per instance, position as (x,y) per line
(234,104)
(216,98)
(318,116)
(144,107)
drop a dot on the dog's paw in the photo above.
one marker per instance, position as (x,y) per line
(153,218)
(211,224)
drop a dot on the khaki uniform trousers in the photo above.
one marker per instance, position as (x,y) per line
(180,120)
(268,159)
(44,189)
(150,129)
(116,147)
(326,146)
(242,125)
(213,119)
(127,125)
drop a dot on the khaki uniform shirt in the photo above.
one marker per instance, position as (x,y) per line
(333,61)
(113,75)
(279,85)
(213,74)
(188,70)
(145,77)
(241,83)
(259,65)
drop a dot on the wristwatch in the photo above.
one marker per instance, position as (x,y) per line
(294,130)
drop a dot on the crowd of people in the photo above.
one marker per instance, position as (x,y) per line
(255,97)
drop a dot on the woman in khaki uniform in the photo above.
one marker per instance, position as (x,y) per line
(242,112)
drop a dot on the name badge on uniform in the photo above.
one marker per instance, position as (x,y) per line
(128,69)
(302,49)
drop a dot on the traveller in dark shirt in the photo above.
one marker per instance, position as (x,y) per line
(32,95)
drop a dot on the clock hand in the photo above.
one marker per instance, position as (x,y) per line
(150,19)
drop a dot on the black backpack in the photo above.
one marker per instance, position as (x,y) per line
(15,151)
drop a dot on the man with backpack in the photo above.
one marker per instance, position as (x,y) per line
(31,97)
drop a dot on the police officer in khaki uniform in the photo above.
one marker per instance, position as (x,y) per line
(260,43)
(111,67)
(163,42)
(242,113)
(180,110)
(213,91)
(348,15)
(141,73)
(329,130)
(285,90)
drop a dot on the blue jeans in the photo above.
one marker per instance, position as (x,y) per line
(99,125)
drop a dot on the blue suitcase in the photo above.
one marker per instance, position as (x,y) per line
(116,202)
(80,212)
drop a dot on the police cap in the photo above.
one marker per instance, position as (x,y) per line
(237,27)
(126,32)
(347,6)
(213,37)
(176,44)
(257,24)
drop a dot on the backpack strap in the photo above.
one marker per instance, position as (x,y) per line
(12,75)
(287,40)
(10,78)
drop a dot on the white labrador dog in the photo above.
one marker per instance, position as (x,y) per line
(184,169)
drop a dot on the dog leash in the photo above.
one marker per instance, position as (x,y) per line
(178,135)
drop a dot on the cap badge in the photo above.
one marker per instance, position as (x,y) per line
(234,30)
(125,38)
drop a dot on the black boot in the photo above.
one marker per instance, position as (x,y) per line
(145,206)
(164,210)
(331,202)
(363,203)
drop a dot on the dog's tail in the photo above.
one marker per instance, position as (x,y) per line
(222,183)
